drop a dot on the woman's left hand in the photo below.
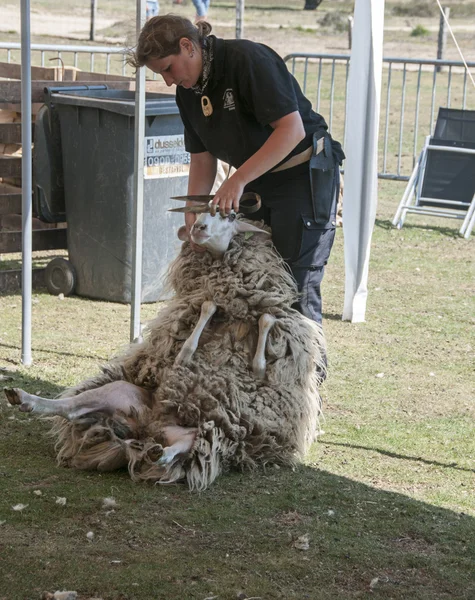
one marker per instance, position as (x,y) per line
(228,196)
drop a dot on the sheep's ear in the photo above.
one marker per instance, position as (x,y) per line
(242,227)
(183,235)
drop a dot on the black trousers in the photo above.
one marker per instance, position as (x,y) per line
(303,228)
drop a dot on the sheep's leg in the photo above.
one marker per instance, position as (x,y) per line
(189,347)
(266,322)
(181,440)
(116,396)
(35,404)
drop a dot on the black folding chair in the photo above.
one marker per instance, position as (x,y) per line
(443,181)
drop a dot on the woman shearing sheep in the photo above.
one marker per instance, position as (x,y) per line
(239,104)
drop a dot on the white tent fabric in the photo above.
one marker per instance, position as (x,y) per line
(361,148)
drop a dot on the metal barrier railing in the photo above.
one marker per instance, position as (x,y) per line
(101,59)
(414,87)
(75,56)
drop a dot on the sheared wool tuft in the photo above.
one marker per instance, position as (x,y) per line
(241,421)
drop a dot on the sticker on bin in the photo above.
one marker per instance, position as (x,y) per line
(165,156)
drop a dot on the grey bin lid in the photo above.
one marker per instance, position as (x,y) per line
(117,101)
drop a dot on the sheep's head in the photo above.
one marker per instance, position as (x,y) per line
(215,233)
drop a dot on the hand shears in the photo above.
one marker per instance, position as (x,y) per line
(249,203)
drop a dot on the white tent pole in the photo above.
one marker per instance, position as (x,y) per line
(26,184)
(361,148)
(239,19)
(137,249)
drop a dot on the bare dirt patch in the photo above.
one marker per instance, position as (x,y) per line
(285,29)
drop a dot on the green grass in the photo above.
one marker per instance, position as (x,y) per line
(386,495)
(419,30)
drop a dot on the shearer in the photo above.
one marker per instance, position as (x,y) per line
(240,104)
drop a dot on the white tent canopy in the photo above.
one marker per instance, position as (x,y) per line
(361,146)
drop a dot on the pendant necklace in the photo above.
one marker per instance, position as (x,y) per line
(207,52)
(206,106)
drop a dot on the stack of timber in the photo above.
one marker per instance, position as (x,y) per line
(46,236)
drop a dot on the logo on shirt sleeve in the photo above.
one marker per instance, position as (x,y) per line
(228,98)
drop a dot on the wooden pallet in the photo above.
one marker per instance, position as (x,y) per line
(10,199)
(10,166)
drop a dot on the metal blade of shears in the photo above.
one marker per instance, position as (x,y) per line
(205,198)
(197,209)
(250,202)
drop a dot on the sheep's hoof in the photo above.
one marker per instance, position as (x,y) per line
(184,357)
(259,370)
(13,396)
(155,452)
(165,459)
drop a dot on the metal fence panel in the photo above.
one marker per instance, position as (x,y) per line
(412,92)
(94,59)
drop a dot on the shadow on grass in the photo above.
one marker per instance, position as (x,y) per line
(242,534)
(55,352)
(15,293)
(447,231)
(452,465)
(33,385)
(331,316)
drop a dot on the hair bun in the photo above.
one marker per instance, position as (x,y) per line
(204,28)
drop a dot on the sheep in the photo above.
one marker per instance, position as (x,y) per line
(215,235)
(227,375)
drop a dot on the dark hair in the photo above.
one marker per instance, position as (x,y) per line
(160,37)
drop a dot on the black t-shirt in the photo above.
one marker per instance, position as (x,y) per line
(249,88)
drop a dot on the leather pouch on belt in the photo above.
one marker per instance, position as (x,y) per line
(322,179)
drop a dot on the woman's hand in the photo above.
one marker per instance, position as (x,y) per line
(228,196)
